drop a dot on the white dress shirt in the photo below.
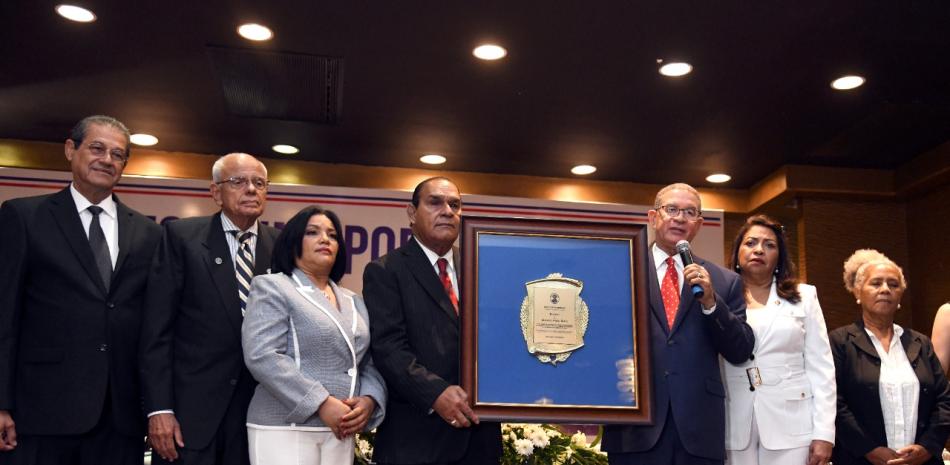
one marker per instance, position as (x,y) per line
(232,238)
(899,390)
(108,220)
(433,257)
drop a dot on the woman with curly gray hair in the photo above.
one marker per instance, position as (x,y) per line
(893,396)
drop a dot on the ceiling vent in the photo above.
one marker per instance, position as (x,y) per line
(285,86)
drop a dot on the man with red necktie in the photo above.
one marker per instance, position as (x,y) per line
(687,336)
(412,297)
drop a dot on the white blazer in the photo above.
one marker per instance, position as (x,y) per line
(796,401)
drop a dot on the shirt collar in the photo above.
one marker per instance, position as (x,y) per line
(433,257)
(898,332)
(108,204)
(229,226)
(659,258)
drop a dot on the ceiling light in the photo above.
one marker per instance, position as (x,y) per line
(847,82)
(718,178)
(255,32)
(76,13)
(432,159)
(143,139)
(676,69)
(583,170)
(285,149)
(489,52)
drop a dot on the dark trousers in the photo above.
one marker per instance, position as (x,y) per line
(484,447)
(668,450)
(229,445)
(102,445)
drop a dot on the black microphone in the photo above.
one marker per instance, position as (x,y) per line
(683,248)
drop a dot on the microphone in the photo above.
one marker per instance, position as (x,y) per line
(682,247)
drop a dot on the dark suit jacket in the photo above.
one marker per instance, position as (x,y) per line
(860,423)
(415,345)
(686,375)
(64,340)
(191,354)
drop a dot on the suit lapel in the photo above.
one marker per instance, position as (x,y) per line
(64,211)
(422,271)
(126,233)
(222,271)
(656,298)
(911,345)
(265,244)
(861,340)
(687,301)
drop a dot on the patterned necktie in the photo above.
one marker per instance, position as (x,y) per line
(446,282)
(244,266)
(100,248)
(670,289)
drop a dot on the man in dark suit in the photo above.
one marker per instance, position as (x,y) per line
(73,267)
(687,335)
(196,386)
(412,296)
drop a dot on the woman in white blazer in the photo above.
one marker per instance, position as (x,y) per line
(305,340)
(780,404)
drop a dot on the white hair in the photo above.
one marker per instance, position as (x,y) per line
(677,186)
(858,264)
(218,167)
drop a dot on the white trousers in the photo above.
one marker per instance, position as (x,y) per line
(756,454)
(290,447)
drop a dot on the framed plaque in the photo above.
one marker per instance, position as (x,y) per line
(554,321)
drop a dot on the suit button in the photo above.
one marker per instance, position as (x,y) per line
(233,382)
(103,347)
(351,372)
(110,305)
(751,356)
(670,342)
(666,372)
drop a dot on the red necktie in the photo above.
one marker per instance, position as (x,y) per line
(446,282)
(671,291)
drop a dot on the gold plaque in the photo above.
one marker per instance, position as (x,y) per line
(554,318)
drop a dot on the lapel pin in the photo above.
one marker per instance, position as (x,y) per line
(218,261)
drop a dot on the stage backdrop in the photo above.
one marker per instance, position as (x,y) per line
(374,220)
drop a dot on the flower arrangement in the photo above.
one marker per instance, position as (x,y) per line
(527,444)
(522,444)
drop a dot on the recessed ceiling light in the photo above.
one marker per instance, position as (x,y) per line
(76,13)
(143,139)
(432,159)
(489,52)
(583,170)
(847,82)
(255,32)
(718,178)
(676,69)
(285,149)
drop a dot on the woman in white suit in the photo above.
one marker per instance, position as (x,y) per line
(780,404)
(306,341)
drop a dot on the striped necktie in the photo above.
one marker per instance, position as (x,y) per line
(244,266)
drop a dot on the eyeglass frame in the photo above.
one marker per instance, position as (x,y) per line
(240,182)
(665,210)
(100,151)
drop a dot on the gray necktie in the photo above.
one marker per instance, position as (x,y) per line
(244,266)
(100,248)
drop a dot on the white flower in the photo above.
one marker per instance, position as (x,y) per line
(539,438)
(552,433)
(513,436)
(579,439)
(524,447)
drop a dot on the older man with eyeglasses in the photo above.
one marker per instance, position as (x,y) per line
(688,333)
(197,388)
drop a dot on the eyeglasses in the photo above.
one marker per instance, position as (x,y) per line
(672,211)
(99,151)
(240,182)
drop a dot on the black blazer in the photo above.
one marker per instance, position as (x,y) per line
(64,340)
(685,360)
(415,345)
(860,423)
(191,355)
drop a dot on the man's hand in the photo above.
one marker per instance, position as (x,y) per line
(164,434)
(880,456)
(7,431)
(331,412)
(695,274)
(819,452)
(451,405)
(914,454)
(355,421)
